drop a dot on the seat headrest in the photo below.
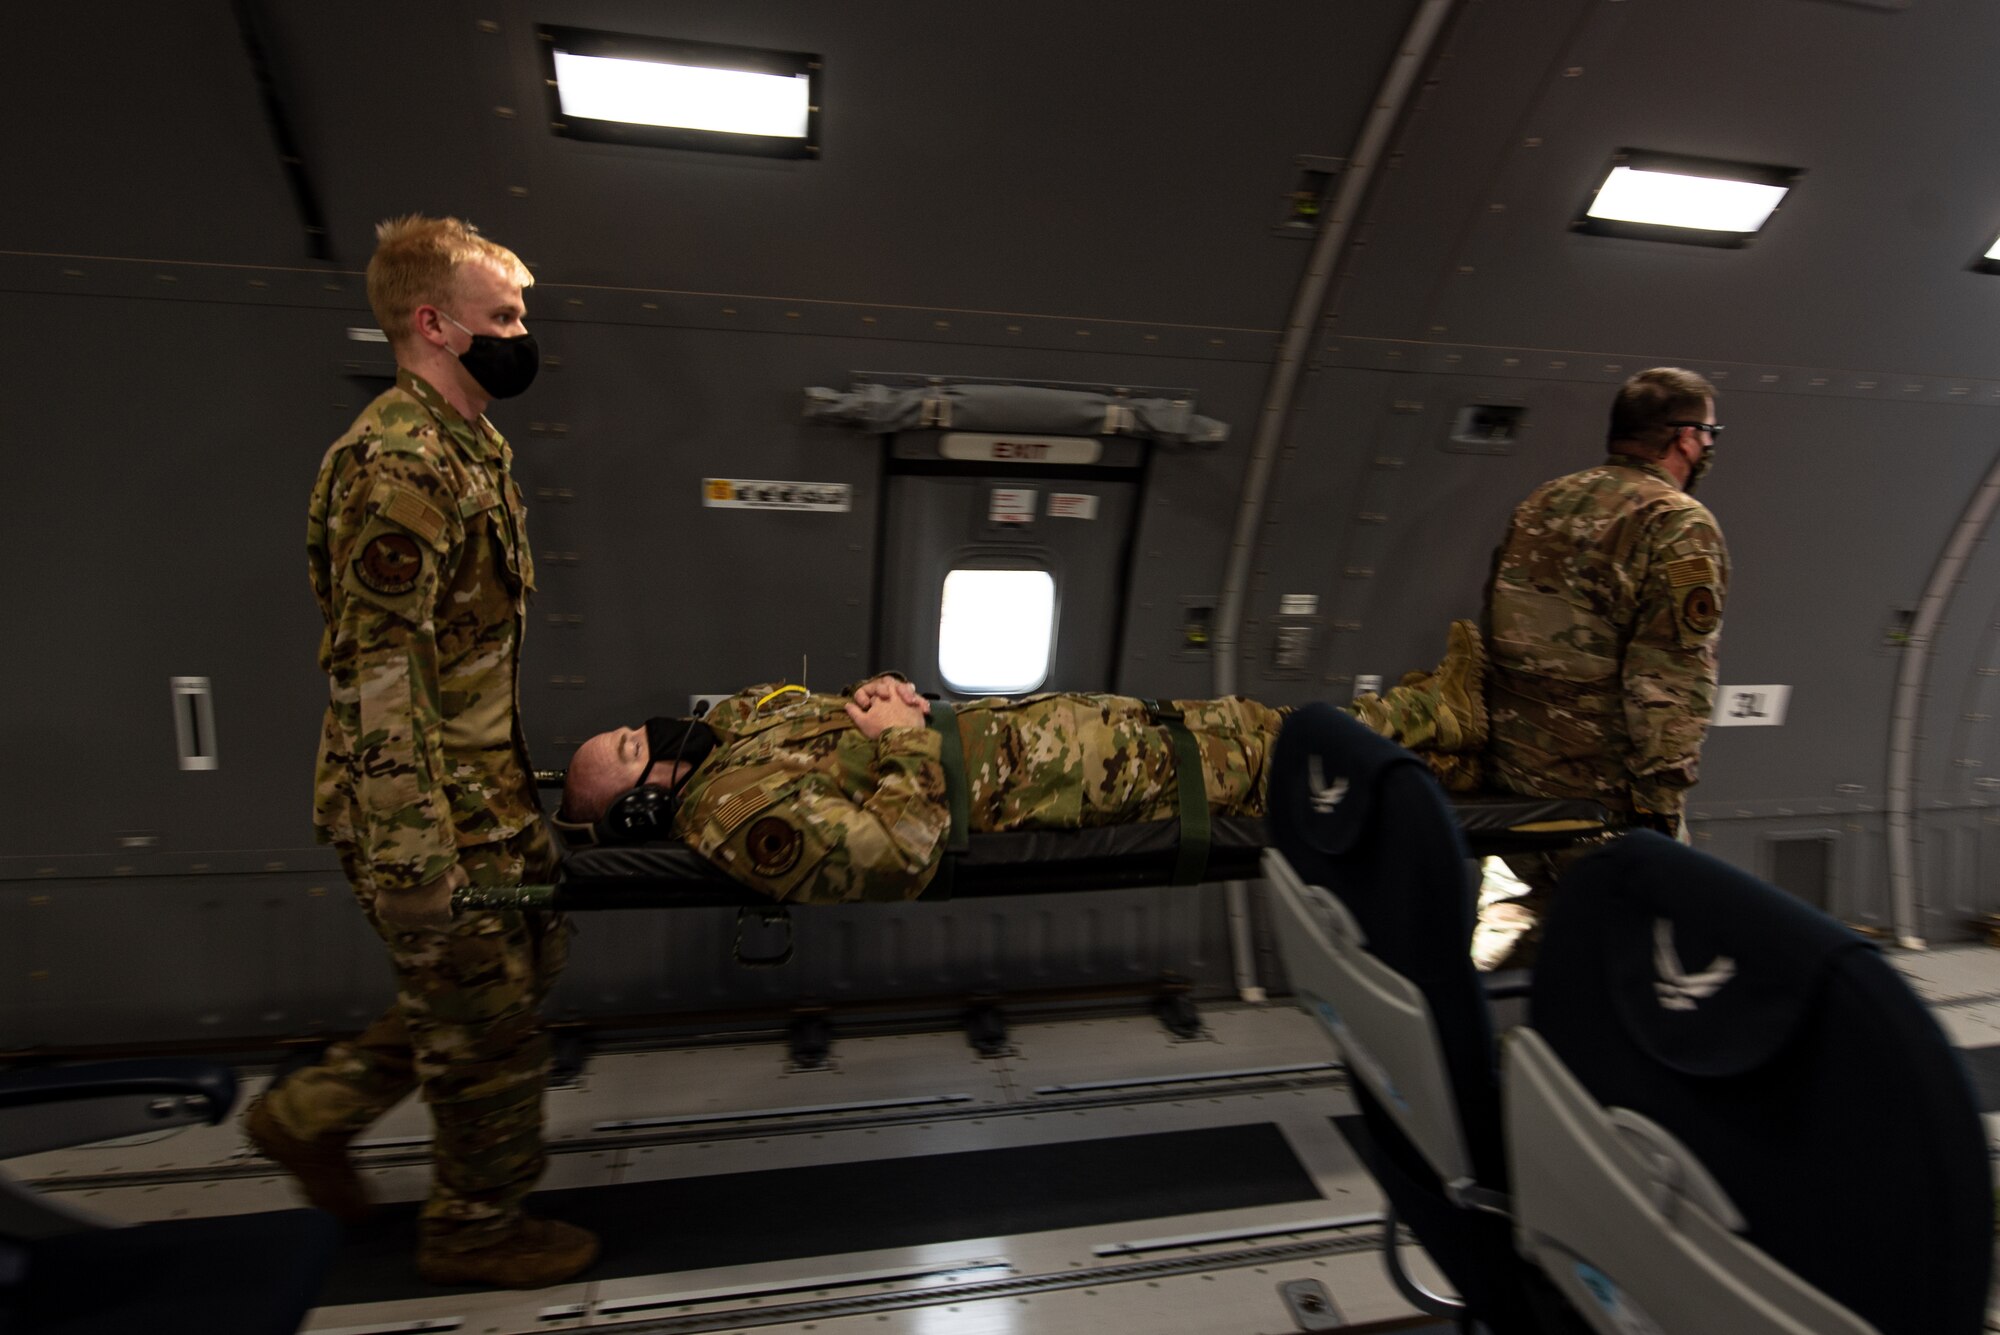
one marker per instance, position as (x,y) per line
(1326,772)
(1708,969)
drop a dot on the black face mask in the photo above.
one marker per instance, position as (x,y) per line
(678,739)
(503,367)
(1699,467)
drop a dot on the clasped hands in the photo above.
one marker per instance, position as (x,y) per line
(886,702)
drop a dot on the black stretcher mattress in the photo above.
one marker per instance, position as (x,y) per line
(1041,861)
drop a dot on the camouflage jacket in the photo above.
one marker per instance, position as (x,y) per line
(797,803)
(420,563)
(1602,621)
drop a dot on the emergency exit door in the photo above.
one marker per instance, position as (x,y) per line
(956,506)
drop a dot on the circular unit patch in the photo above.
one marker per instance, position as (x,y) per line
(773,846)
(1698,610)
(390,563)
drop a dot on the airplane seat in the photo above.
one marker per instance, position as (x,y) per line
(1710,1063)
(63,1272)
(1376,901)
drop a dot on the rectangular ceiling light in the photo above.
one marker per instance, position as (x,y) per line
(1663,197)
(620,88)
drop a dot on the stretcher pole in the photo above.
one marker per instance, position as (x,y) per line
(523,898)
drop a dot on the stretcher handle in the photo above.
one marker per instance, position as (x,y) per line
(528,898)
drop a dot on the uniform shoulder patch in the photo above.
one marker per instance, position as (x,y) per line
(1699,612)
(1690,570)
(412,511)
(773,846)
(390,563)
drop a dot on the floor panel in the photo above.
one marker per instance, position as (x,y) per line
(846,1199)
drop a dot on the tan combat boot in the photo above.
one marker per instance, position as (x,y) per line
(1456,771)
(1461,688)
(534,1254)
(321,1167)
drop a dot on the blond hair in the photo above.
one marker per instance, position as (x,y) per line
(416,263)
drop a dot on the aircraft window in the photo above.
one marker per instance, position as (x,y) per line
(996,630)
(642,90)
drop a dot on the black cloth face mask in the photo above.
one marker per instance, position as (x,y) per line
(1699,468)
(503,367)
(678,739)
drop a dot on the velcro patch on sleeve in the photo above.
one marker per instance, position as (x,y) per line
(389,563)
(742,807)
(773,846)
(1690,570)
(412,511)
(1699,611)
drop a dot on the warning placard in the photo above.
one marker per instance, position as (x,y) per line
(1010,505)
(731,493)
(1072,505)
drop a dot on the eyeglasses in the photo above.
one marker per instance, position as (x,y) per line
(1713,429)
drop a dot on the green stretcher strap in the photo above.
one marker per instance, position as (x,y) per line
(951,754)
(1191,862)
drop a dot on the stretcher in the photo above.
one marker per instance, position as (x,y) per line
(671,875)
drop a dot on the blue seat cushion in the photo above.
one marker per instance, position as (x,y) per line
(1792,1060)
(232,1275)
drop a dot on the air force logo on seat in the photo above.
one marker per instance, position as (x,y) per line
(1325,796)
(1678,989)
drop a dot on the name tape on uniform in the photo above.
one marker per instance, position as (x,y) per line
(1750,706)
(733,493)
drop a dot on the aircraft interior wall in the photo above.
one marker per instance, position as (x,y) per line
(1054,193)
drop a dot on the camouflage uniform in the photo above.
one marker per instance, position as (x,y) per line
(797,803)
(1603,616)
(1602,622)
(420,563)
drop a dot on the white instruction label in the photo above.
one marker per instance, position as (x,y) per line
(736,493)
(1298,604)
(1072,505)
(1010,505)
(1751,706)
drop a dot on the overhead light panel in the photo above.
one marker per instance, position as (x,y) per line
(1990,261)
(1700,201)
(621,88)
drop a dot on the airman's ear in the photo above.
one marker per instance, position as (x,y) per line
(429,325)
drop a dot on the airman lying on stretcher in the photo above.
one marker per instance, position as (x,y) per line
(829,798)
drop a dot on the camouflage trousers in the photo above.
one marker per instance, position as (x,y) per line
(1439,714)
(1063,762)
(464,1029)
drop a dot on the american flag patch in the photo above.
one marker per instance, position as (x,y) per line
(742,807)
(1690,570)
(414,514)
